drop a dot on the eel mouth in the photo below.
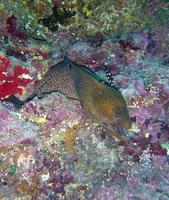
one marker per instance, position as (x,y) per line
(120,130)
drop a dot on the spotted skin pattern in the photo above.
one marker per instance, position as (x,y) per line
(58,78)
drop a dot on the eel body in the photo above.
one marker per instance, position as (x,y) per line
(101,102)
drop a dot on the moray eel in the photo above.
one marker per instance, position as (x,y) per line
(101,102)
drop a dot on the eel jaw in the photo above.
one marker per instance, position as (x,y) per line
(122,131)
(117,131)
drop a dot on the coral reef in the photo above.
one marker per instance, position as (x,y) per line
(88,17)
(49,149)
(28,15)
(13,130)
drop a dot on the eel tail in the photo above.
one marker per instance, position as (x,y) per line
(17,102)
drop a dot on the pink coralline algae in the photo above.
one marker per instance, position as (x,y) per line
(149,112)
(57,112)
(13,130)
(148,105)
(84,53)
(13,30)
(96,40)
(58,181)
(16,54)
(141,40)
(35,139)
(4,115)
(106,193)
(150,116)
(55,116)
(80,50)
(160,43)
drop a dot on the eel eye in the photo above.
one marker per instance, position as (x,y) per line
(116,118)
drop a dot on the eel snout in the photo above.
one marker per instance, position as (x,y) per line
(122,131)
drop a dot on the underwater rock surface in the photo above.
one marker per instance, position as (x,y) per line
(49,149)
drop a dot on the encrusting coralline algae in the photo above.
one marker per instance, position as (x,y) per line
(49,149)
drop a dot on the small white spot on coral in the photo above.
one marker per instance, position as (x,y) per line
(62,130)
(45,177)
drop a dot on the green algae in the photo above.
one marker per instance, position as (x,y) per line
(162,15)
(28,18)
(11,170)
(1,164)
(87,17)
(165,146)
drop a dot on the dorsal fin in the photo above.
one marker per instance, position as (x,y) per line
(88,71)
(82,67)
